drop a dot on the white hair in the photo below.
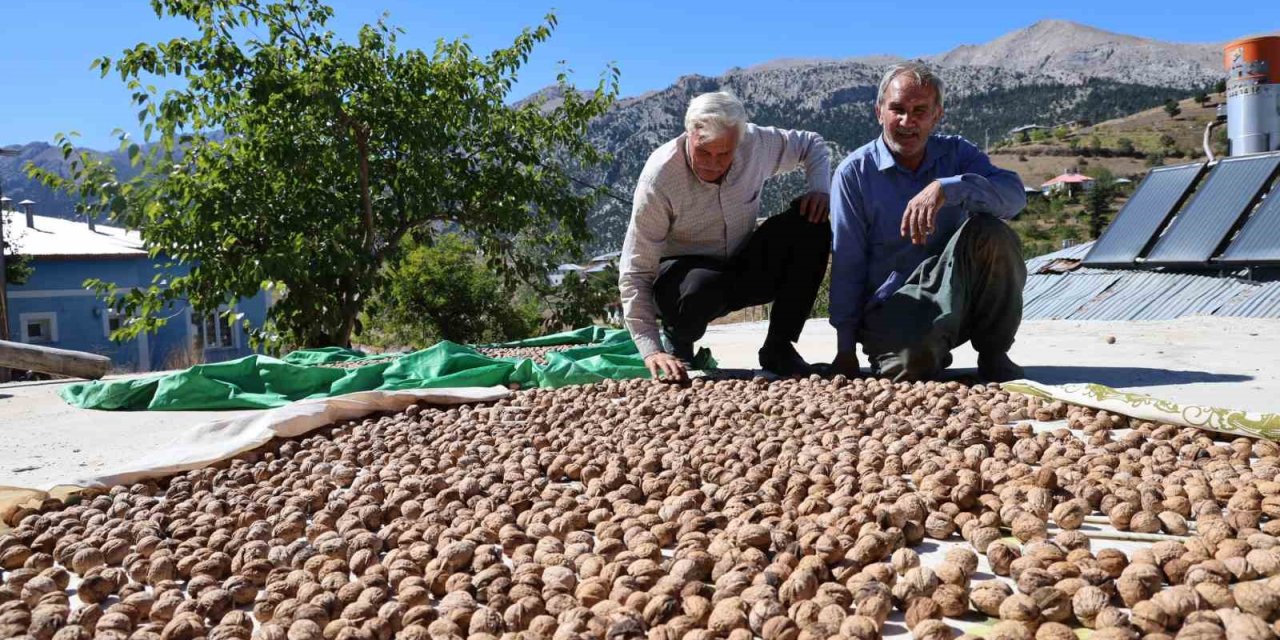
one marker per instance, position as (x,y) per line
(710,115)
(918,70)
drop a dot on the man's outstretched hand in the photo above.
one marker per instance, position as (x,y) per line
(815,206)
(665,366)
(921,216)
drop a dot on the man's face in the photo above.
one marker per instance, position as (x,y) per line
(711,157)
(908,112)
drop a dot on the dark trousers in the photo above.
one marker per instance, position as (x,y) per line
(782,262)
(971,292)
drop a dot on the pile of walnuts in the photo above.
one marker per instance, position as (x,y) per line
(537,354)
(723,509)
(362,362)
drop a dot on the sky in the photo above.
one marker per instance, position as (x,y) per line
(46,46)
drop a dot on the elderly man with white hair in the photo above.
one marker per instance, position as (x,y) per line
(693,252)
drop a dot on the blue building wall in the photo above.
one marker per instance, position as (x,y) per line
(56,287)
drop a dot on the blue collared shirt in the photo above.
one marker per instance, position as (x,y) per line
(869,194)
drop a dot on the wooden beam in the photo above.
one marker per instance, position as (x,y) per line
(62,362)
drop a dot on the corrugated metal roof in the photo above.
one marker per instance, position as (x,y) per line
(1104,294)
(1070,253)
(1262,302)
(1061,296)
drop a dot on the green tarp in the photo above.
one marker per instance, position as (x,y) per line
(259,382)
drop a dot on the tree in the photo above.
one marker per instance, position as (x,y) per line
(297,161)
(1201,98)
(1171,107)
(1095,143)
(1024,137)
(581,300)
(1061,132)
(444,291)
(17,267)
(1125,146)
(1039,135)
(1167,140)
(1097,200)
(1220,86)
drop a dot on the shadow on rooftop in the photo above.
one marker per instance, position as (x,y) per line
(1127,376)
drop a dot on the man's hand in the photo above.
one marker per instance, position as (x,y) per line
(815,206)
(919,219)
(666,366)
(846,363)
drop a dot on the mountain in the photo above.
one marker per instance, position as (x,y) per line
(1071,52)
(1049,72)
(17,186)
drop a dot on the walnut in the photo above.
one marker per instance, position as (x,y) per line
(728,615)
(754,535)
(1070,514)
(1112,561)
(1178,602)
(1020,607)
(1054,631)
(904,560)
(1087,603)
(953,600)
(988,595)
(1000,555)
(875,606)
(1244,625)
(939,526)
(859,628)
(1027,527)
(86,559)
(1031,579)
(1055,606)
(800,585)
(1202,631)
(1149,617)
(1114,633)
(1256,598)
(931,629)
(963,558)
(1138,582)
(922,609)
(982,537)
(780,628)
(95,589)
(1009,630)
(1217,596)
(1111,617)
(184,626)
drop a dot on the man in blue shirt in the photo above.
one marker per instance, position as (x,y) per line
(921,259)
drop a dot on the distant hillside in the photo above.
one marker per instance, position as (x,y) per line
(16,184)
(1127,146)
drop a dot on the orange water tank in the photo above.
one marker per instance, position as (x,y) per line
(1255,58)
(1253,94)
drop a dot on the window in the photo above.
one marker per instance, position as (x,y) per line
(114,320)
(39,328)
(213,331)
